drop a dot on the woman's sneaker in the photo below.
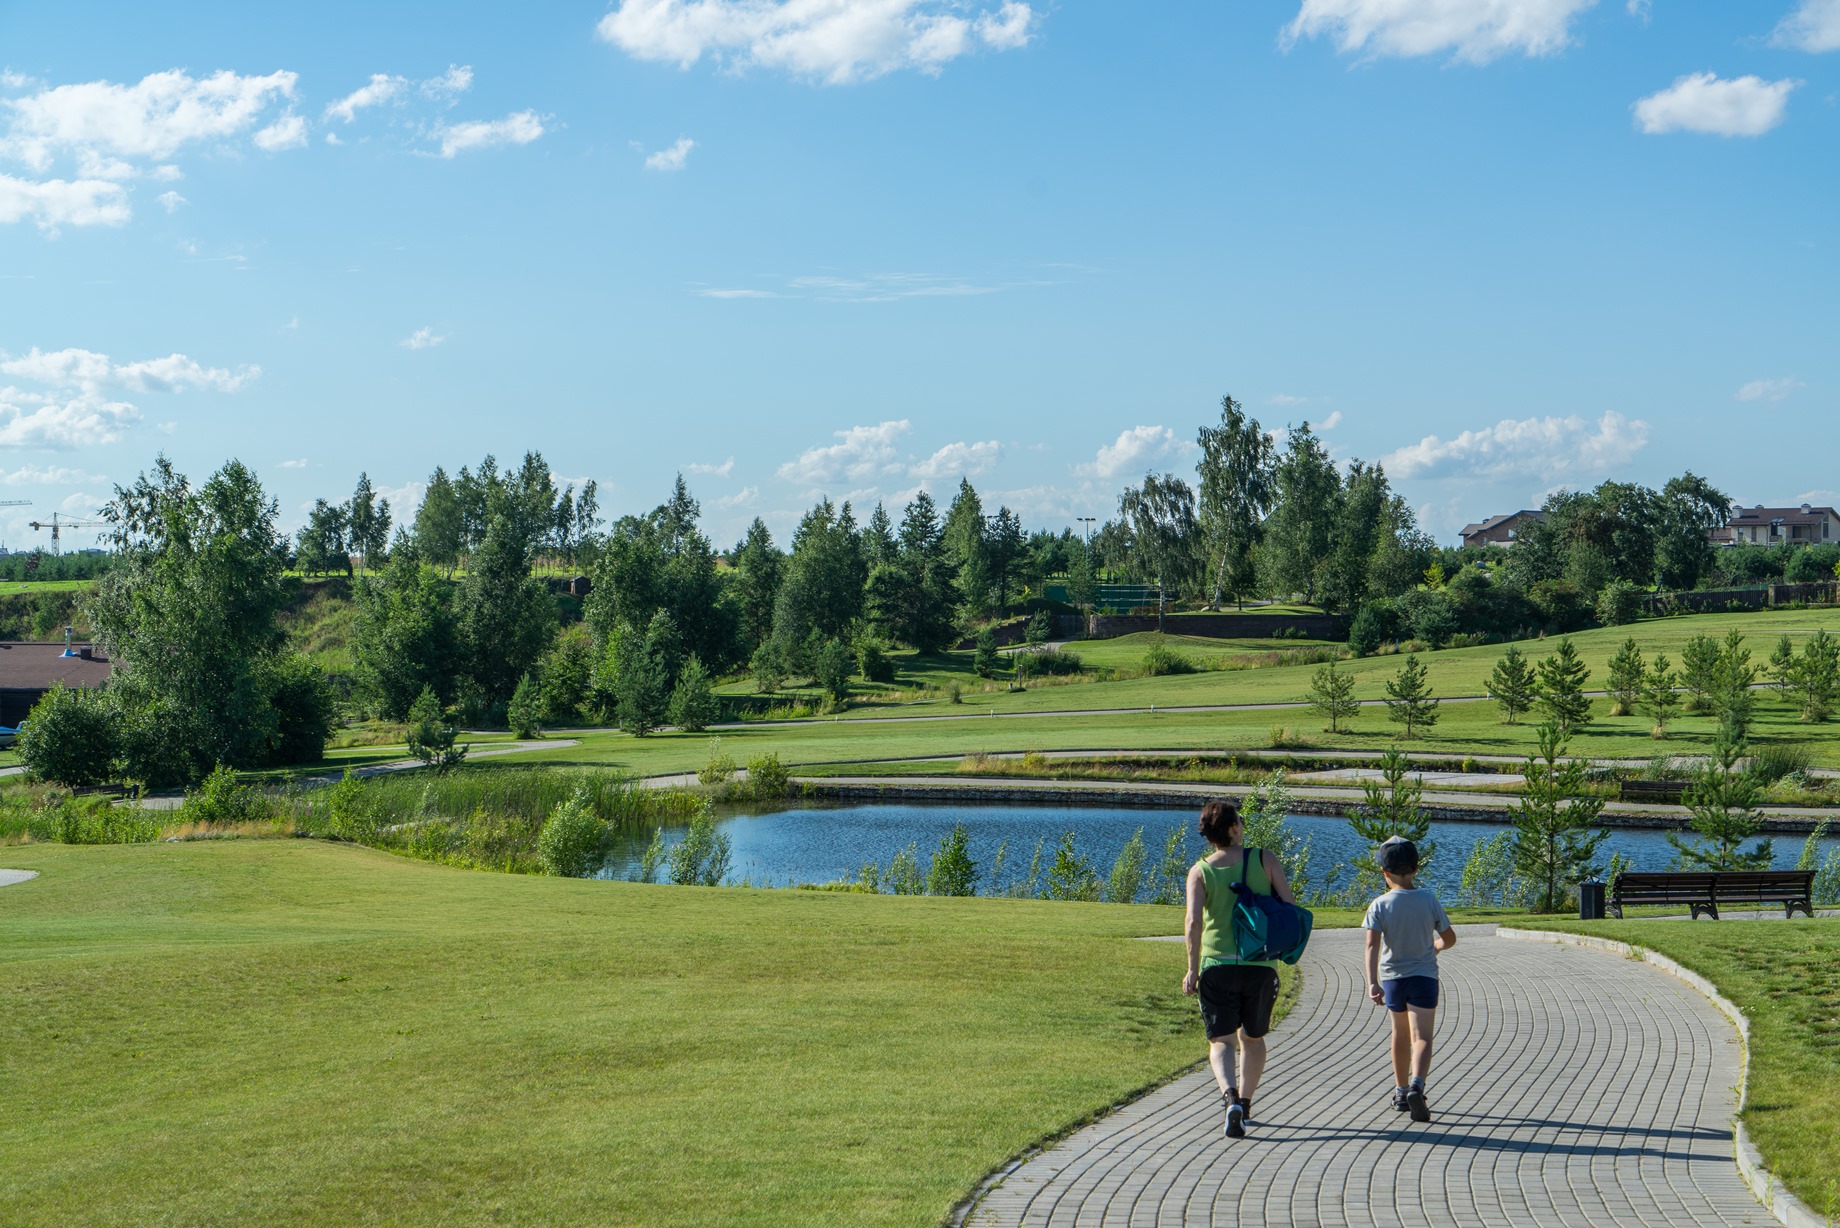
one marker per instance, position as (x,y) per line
(1236,1120)
(1417,1105)
(1399,1100)
(1246,1105)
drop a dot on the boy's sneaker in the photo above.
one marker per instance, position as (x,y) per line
(1399,1100)
(1236,1120)
(1417,1105)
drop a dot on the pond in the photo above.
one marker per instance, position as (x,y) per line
(823,843)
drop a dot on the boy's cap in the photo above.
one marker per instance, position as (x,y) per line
(1397,855)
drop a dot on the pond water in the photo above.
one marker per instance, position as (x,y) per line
(823,843)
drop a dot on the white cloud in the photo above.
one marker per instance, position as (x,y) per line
(1769,389)
(837,41)
(1813,26)
(864,451)
(518,128)
(1331,422)
(721,471)
(79,422)
(1541,447)
(457,80)
(1638,9)
(288,132)
(57,475)
(382,88)
(737,294)
(59,202)
(91,372)
(1474,30)
(424,338)
(100,123)
(672,159)
(747,496)
(171,200)
(1132,450)
(332,138)
(293,464)
(1286,399)
(958,460)
(1701,102)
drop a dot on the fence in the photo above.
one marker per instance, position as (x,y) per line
(1759,597)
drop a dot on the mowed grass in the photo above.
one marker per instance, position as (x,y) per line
(226,1032)
(1785,977)
(1127,651)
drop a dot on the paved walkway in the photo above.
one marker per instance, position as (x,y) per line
(9,877)
(1569,1087)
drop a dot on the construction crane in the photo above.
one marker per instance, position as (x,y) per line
(57,523)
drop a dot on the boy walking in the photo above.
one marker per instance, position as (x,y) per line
(1406,928)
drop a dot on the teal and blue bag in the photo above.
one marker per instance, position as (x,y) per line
(1265,927)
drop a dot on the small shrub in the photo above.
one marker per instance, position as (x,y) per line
(693,706)
(1289,633)
(220,799)
(903,876)
(1128,872)
(986,659)
(1161,660)
(768,777)
(651,860)
(72,737)
(524,713)
(94,821)
(569,845)
(1071,876)
(1040,628)
(1052,661)
(701,858)
(873,661)
(1284,737)
(720,768)
(955,692)
(953,872)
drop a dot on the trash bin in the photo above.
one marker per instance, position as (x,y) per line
(1591,900)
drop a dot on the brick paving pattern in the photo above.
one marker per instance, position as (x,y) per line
(1568,1087)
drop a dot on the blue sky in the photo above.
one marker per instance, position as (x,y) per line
(855,247)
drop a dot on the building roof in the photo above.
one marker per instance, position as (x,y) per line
(1760,515)
(37,665)
(1494,522)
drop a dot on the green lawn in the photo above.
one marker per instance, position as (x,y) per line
(334,1035)
(1127,651)
(1785,977)
(9,588)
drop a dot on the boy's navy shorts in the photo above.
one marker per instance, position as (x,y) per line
(1419,991)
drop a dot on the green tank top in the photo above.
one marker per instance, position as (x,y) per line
(1217,922)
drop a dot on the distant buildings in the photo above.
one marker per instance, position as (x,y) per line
(29,668)
(1498,530)
(1770,526)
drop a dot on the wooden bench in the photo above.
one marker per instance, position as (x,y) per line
(1704,890)
(1661,792)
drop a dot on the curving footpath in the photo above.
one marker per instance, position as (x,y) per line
(1569,1087)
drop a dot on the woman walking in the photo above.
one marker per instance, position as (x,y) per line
(1237,996)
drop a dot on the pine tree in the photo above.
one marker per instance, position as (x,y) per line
(432,734)
(1553,842)
(1723,800)
(525,709)
(1332,696)
(1659,698)
(1625,679)
(641,686)
(1561,690)
(986,659)
(1782,664)
(1391,808)
(1699,667)
(1408,698)
(1511,684)
(1812,680)
(1732,698)
(694,706)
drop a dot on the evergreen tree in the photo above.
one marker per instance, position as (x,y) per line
(754,583)
(986,659)
(1408,698)
(1699,667)
(1723,800)
(1554,843)
(506,618)
(694,706)
(1782,664)
(953,872)
(964,544)
(523,714)
(641,685)
(1659,698)
(1562,700)
(1811,681)
(926,618)
(1732,699)
(1391,808)
(1003,552)
(1332,696)
(768,669)
(1624,683)
(406,637)
(832,670)
(879,545)
(1511,684)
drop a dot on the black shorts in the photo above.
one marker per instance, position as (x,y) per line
(1235,997)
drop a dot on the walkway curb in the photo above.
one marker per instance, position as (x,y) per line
(1772,1193)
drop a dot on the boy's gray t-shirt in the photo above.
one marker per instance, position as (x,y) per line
(1407,921)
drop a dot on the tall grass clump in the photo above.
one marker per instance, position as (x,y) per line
(68,820)
(1161,659)
(1779,761)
